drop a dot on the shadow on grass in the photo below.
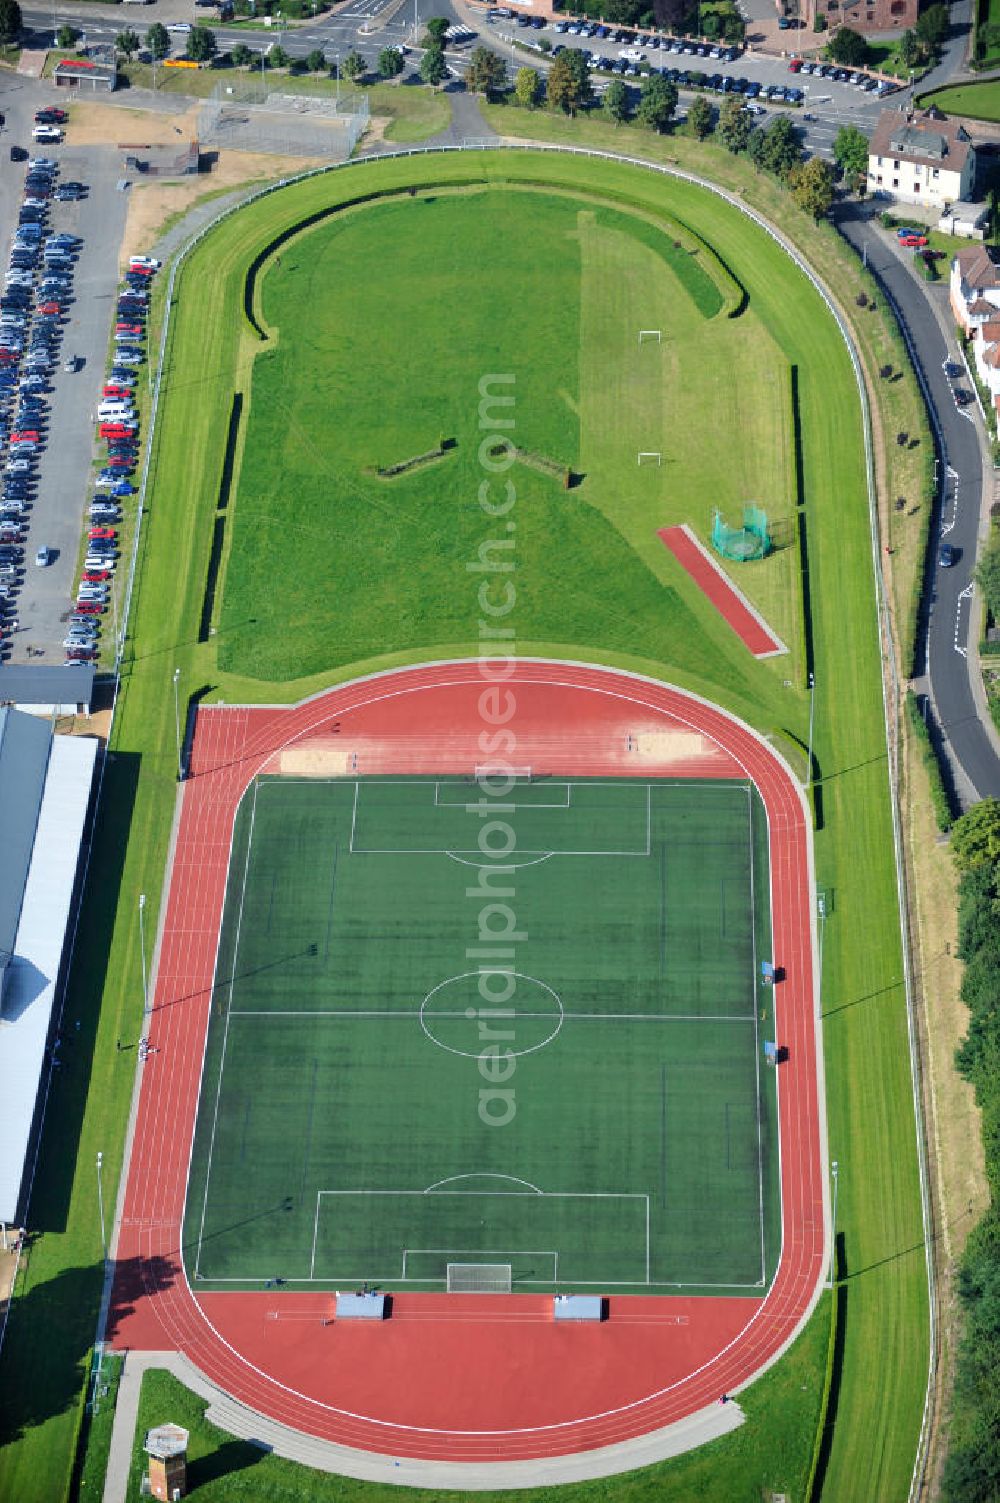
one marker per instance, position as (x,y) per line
(45,1359)
(60,1134)
(232,1456)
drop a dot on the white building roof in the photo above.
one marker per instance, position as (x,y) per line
(33,972)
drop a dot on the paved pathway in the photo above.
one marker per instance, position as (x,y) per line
(227,1414)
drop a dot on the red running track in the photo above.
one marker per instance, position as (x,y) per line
(462,1378)
(717,587)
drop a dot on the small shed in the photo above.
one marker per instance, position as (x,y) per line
(967,219)
(181,160)
(361,1307)
(579,1307)
(87,74)
(166,1446)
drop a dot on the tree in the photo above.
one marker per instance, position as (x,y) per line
(988,575)
(277,57)
(616,101)
(390,62)
(735,124)
(10,21)
(781,148)
(657,102)
(581,74)
(127,42)
(933,26)
(670,14)
(158,42)
(848,48)
(315,62)
(700,117)
(201,45)
(433,68)
(487,73)
(241,55)
(850,152)
(66,37)
(565,90)
(975,838)
(910,50)
(812,186)
(436,28)
(353,67)
(527,88)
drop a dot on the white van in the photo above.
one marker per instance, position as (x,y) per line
(107,410)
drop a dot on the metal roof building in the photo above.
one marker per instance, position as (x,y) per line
(45,784)
(47,691)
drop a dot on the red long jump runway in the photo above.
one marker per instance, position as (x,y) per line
(716,585)
(462,1377)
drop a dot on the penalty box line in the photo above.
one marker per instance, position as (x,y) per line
(496,1195)
(355,850)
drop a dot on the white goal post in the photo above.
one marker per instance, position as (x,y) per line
(479,1278)
(650,456)
(653,335)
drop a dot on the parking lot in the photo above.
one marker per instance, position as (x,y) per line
(63,409)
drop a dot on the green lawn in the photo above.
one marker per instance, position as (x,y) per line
(870,1112)
(769,1454)
(978,101)
(631,1022)
(587,398)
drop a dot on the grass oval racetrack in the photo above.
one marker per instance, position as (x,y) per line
(379,323)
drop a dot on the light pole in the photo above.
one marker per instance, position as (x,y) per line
(177,724)
(833,1227)
(812,718)
(100,1206)
(142,949)
(336,58)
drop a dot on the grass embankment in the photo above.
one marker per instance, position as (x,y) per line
(768,1449)
(880,1382)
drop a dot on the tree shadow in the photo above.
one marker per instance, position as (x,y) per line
(45,1357)
(136,1279)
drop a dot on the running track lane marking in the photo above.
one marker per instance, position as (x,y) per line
(731,603)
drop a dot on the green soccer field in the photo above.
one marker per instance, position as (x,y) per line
(551,1060)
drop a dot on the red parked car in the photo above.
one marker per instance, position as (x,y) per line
(102,532)
(89,607)
(95,576)
(913,242)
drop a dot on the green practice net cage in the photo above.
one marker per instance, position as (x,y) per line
(752,540)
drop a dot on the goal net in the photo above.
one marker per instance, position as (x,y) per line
(479,1278)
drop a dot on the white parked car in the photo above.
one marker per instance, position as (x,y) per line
(145,260)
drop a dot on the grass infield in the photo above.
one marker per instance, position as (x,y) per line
(618,1046)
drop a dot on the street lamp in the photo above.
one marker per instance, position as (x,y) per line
(142,949)
(177,724)
(336,58)
(833,1226)
(100,1206)
(812,717)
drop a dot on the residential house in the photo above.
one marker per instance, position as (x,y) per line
(923,159)
(975,287)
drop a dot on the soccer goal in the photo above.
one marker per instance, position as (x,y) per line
(649,336)
(650,456)
(479,1278)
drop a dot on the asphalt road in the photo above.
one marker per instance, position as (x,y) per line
(65,465)
(947,653)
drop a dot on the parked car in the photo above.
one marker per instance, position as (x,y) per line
(913,242)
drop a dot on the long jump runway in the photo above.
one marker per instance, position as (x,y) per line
(462,1378)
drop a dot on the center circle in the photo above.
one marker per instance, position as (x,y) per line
(457,1015)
